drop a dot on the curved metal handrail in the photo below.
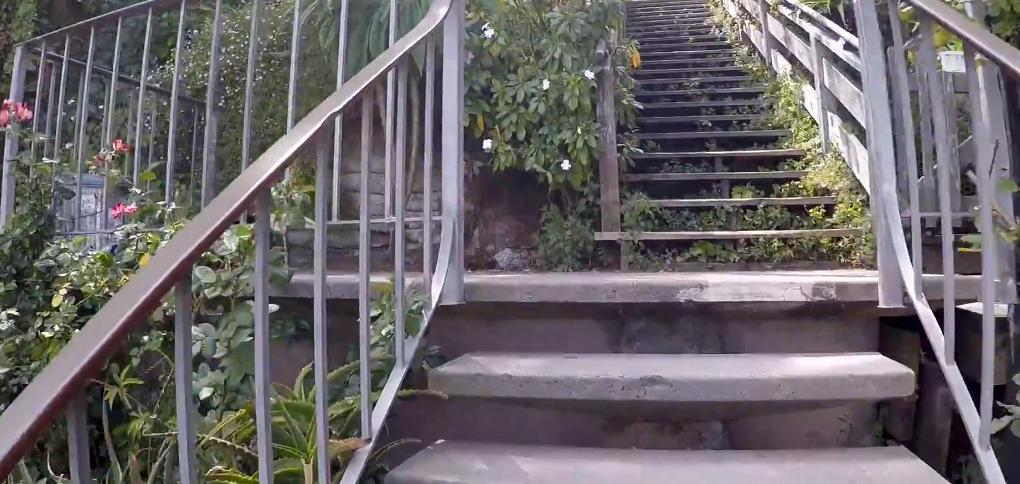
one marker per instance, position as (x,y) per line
(88,350)
(972,33)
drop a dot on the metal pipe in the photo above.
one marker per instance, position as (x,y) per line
(78,440)
(211,115)
(58,134)
(295,51)
(400,334)
(82,128)
(51,107)
(183,368)
(40,76)
(171,142)
(429,134)
(453,148)
(388,118)
(338,128)
(321,337)
(115,69)
(8,185)
(364,265)
(141,98)
(260,309)
(249,84)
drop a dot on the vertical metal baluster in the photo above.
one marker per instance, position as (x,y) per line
(453,148)
(143,80)
(110,108)
(388,119)
(400,147)
(211,111)
(943,160)
(7,185)
(984,150)
(364,264)
(183,367)
(263,381)
(429,134)
(338,127)
(881,148)
(131,129)
(171,143)
(36,110)
(76,110)
(78,440)
(194,154)
(152,135)
(321,339)
(58,133)
(295,51)
(51,106)
(907,149)
(83,126)
(249,84)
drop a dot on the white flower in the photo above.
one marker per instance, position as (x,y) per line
(469,57)
(546,84)
(488,33)
(589,74)
(487,145)
(565,165)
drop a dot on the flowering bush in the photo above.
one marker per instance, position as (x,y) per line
(14,112)
(531,79)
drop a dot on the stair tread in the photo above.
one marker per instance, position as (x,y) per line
(653,48)
(722,91)
(688,61)
(765,133)
(675,377)
(447,462)
(727,234)
(769,153)
(740,202)
(691,80)
(706,117)
(722,175)
(684,70)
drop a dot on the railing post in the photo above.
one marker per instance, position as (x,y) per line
(8,187)
(609,167)
(826,101)
(881,149)
(453,148)
(766,36)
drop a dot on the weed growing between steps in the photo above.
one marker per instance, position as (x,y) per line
(828,175)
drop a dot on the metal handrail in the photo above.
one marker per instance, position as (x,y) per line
(974,34)
(85,354)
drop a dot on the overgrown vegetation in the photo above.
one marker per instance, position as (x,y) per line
(828,175)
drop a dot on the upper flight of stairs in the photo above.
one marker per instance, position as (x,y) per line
(704,129)
(540,399)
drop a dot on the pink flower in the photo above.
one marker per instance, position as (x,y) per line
(120,146)
(118,210)
(5,117)
(131,208)
(22,112)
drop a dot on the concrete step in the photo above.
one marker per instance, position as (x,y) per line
(699,54)
(719,175)
(710,118)
(766,134)
(447,462)
(728,234)
(763,155)
(723,91)
(646,49)
(694,386)
(645,72)
(740,202)
(696,80)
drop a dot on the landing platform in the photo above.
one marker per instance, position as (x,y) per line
(662,287)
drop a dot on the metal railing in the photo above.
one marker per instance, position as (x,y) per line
(872,81)
(889,103)
(59,386)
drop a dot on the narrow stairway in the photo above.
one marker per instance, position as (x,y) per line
(767,363)
(707,141)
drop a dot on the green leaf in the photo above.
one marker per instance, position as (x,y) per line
(205,274)
(147,176)
(1008,185)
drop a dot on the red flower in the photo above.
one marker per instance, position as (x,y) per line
(5,117)
(22,112)
(118,210)
(120,146)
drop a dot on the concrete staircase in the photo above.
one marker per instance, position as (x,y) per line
(729,390)
(705,134)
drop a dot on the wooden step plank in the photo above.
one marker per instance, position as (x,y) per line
(721,91)
(700,54)
(698,119)
(740,202)
(693,80)
(688,38)
(683,21)
(737,154)
(639,36)
(717,175)
(654,48)
(728,234)
(689,70)
(705,104)
(767,133)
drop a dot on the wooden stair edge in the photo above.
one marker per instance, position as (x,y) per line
(727,234)
(717,175)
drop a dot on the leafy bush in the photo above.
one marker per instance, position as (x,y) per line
(566,241)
